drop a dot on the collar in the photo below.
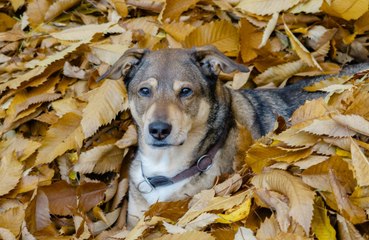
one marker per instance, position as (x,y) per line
(202,164)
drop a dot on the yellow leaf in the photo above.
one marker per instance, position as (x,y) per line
(64,135)
(187,236)
(129,138)
(266,7)
(222,34)
(311,109)
(215,203)
(353,213)
(100,159)
(347,10)
(239,213)
(104,104)
(21,146)
(361,165)
(81,32)
(58,55)
(17,3)
(178,30)
(353,122)
(121,7)
(249,46)
(309,6)
(109,53)
(300,49)
(12,215)
(346,230)
(321,224)
(300,197)
(58,7)
(279,73)
(327,126)
(269,29)
(36,10)
(10,173)
(173,8)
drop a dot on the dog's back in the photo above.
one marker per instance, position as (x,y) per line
(268,104)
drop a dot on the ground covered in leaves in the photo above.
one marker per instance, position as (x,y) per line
(66,140)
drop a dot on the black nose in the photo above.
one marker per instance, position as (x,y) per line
(159,130)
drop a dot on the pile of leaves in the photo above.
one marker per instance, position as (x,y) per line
(66,140)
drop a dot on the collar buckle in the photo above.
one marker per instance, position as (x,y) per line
(145,185)
(207,166)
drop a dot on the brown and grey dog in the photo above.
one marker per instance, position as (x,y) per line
(186,120)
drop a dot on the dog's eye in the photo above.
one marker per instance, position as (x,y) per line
(144,92)
(185,92)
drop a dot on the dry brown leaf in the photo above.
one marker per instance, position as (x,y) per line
(36,10)
(81,32)
(229,186)
(269,29)
(346,9)
(360,163)
(221,34)
(279,203)
(59,7)
(188,235)
(301,50)
(326,126)
(354,122)
(64,135)
(10,172)
(215,204)
(266,7)
(173,8)
(100,159)
(354,213)
(12,215)
(249,46)
(103,105)
(347,230)
(310,6)
(279,73)
(311,109)
(269,229)
(121,7)
(129,138)
(178,30)
(300,197)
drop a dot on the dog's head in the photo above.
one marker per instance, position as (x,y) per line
(171,91)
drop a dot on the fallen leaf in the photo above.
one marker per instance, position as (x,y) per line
(10,173)
(266,7)
(173,9)
(299,195)
(321,225)
(221,34)
(104,104)
(344,9)
(64,135)
(361,165)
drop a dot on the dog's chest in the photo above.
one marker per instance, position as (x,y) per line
(166,164)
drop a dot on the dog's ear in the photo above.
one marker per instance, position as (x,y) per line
(212,61)
(124,64)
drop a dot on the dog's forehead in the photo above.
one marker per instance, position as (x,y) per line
(168,65)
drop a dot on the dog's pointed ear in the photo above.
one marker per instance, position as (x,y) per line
(124,64)
(212,61)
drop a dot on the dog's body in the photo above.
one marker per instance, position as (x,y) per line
(186,120)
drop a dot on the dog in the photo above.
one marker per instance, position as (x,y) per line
(186,119)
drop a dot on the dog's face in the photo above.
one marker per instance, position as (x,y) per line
(171,91)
